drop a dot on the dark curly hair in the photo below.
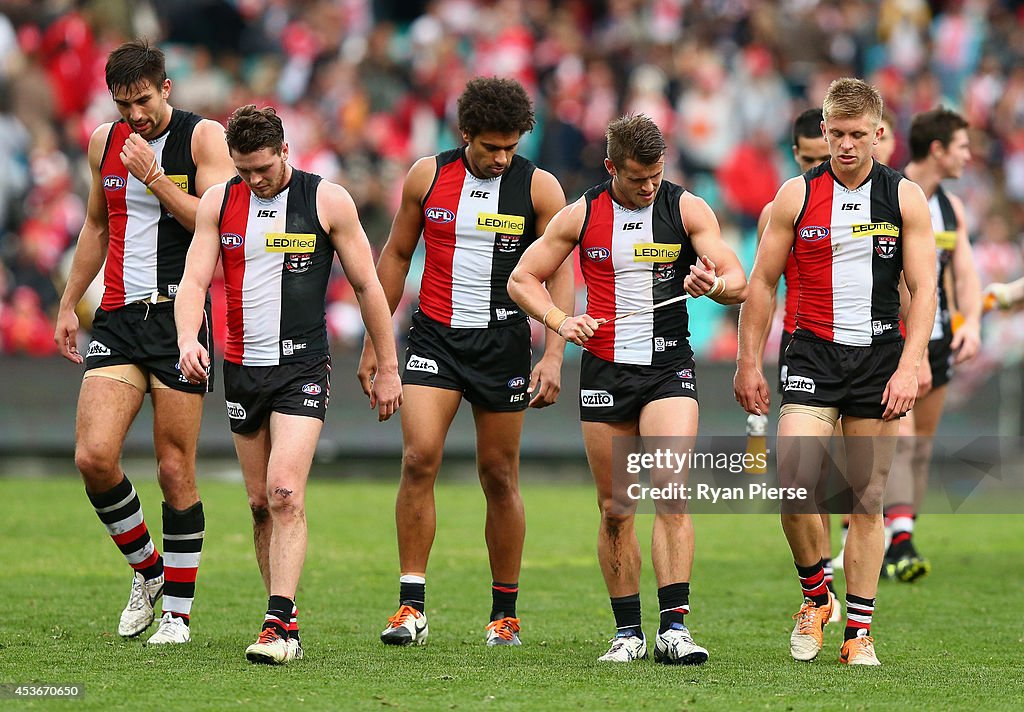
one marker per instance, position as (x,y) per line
(133,63)
(495,104)
(251,129)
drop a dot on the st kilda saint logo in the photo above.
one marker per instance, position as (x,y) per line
(885,246)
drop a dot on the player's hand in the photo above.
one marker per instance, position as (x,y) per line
(66,335)
(701,278)
(899,394)
(138,157)
(577,329)
(997,294)
(966,342)
(367,370)
(193,361)
(924,377)
(751,390)
(545,382)
(386,392)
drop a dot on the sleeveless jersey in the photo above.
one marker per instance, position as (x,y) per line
(633,259)
(848,252)
(475,230)
(944,224)
(277,260)
(147,247)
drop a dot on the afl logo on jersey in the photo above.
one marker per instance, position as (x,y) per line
(230,240)
(439,215)
(113,183)
(311,389)
(598,254)
(813,233)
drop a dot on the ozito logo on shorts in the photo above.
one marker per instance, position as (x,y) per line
(97,349)
(235,410)
(517,382)
(439,215)
(596,399)
(230,240)
(813,233)
(799,383)
(418,363)
(597,254)
(113,183)
(312,389)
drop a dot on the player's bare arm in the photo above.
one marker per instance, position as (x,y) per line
(340,220)
(762,223)
(924,371)
(919,272)
(394,260)
(539,262)
(967,338)
(200,263)
(90,252)
(718,273)
(546,376)
(749,384)
(213,165)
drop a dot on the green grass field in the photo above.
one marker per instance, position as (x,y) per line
(952,641)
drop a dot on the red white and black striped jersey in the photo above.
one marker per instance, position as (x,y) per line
(277,260)
(944,225)
(147,247)
(633,259)
(474,230)
(848,250)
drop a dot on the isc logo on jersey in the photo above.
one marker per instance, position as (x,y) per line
(799,383)
(656,252)
(596,399)
(496,222)
(290,242)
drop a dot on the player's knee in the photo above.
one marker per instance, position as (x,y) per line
(499,481)
(173,467)
(284,499)
(420,466)
(615,518)
(95,462)
(260,511)
(922,453)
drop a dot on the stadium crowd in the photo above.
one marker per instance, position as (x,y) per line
(366,87)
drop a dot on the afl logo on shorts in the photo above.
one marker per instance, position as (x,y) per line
(230,240)
(813,233)
(516,383)
(598,254)
(311,389)
(113,183)
(685,373)
(439,215)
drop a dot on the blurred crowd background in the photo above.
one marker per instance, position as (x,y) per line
(365,88)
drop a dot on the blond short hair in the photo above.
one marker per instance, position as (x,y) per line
(848,98)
